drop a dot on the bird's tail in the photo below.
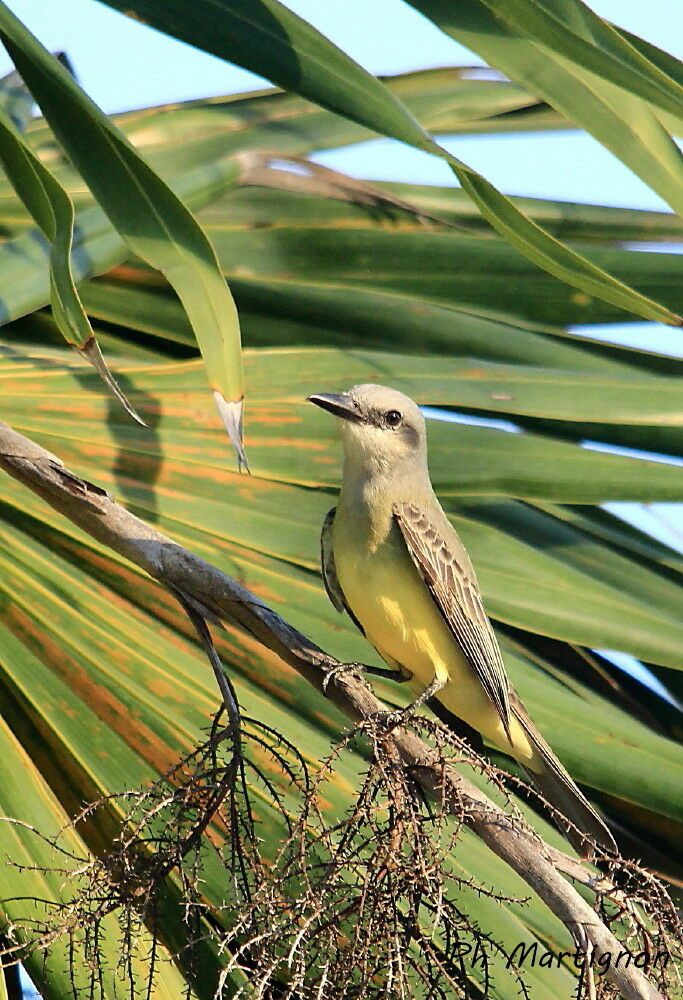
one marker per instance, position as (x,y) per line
(557,787)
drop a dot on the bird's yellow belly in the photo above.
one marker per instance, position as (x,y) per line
(399,617)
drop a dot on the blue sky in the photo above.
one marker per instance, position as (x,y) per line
(123,64)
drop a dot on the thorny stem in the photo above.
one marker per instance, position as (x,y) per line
(93,510)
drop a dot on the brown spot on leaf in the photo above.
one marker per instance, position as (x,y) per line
(162,688)
(102,701)
(263,591)
(134,16)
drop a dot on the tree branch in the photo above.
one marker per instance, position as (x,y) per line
(93,510)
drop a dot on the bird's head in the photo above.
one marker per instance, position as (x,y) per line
(382,429)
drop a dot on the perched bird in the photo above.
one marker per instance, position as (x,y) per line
(395,564)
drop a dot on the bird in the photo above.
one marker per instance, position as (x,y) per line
(394,563)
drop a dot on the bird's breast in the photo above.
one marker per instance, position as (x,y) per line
(388,597)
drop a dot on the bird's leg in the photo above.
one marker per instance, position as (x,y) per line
(386,672)
(393,719)
(340,670)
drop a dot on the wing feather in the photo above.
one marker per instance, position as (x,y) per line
(447,571)
(556,785)
(329,571)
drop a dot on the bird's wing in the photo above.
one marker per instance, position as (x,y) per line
(332,586)
(329,571)
(447,571)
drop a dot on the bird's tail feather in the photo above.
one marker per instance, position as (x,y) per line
(551,780)
(557,787)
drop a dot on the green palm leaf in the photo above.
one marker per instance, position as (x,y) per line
(150,218)
(102,684)
(269,39)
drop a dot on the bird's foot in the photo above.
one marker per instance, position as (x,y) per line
(392,720)
(340,672)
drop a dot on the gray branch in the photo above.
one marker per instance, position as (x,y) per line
(219,596)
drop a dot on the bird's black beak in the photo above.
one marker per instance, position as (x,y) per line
(339,404)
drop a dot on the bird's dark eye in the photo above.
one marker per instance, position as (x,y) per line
(393,418)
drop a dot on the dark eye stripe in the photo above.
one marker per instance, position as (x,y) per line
(409,435)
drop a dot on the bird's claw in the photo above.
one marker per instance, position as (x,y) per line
(340,671)
(391,720)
